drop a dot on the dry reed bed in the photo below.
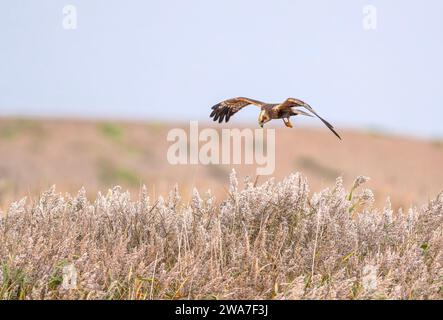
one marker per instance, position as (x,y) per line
(268,241)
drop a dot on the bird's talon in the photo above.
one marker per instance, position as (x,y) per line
(288,123)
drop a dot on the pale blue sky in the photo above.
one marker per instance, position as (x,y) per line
(175,59)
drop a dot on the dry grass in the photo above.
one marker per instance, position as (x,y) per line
(269,241)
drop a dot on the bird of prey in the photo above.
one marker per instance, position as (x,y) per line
(269,111)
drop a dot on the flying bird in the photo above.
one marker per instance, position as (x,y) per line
(269,111)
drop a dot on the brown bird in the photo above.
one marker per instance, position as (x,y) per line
(269,111)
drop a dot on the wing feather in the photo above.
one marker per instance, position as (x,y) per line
(226,109)
(296,103)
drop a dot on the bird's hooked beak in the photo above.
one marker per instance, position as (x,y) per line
(260,124)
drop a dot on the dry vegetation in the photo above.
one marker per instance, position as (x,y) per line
(274,240)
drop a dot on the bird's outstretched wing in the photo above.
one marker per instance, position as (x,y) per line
(294,103)
(225,109)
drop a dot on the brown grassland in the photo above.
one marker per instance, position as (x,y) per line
(36,154)
(339,236)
